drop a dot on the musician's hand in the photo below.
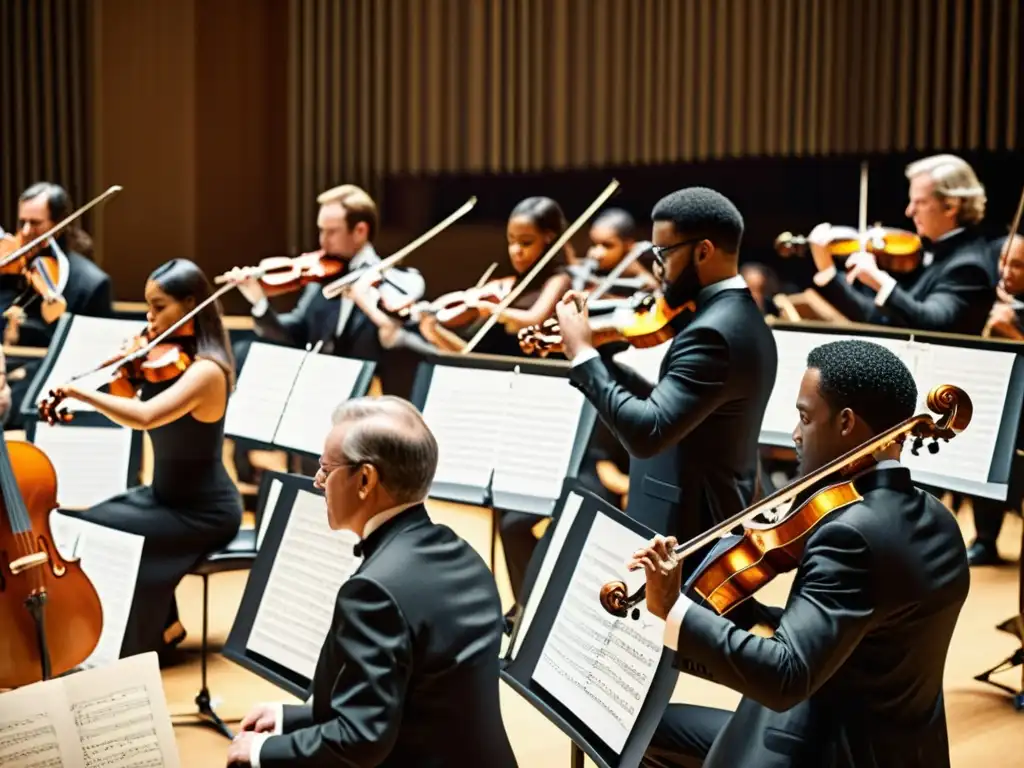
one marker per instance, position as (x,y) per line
(574,323)
(5,401)
(248,285)
(664,570)
(817,240)
(1002,314)
(486,308)
(263,717)
(240,751)
(863,267)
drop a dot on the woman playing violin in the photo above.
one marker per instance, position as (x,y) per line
(192,507)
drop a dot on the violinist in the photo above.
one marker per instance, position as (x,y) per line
(348,222)
(853,675)
(954,287)
(613,235)
(193,507)
(692,436)
(85,287)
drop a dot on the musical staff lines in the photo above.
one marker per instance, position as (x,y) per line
(118,729)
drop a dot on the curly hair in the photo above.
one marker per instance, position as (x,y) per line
(702,212)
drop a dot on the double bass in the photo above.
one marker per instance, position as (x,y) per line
(49,610)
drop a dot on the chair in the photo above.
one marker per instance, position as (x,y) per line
(236,556)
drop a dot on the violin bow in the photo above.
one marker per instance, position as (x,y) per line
(60,225)
(337,287)
(541,263)
(635,253)
(486,275)
(1014,228)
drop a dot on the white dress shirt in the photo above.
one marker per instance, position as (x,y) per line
(277,707)
(674,620)
(736,281)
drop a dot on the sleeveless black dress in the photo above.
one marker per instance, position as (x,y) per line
(191,509)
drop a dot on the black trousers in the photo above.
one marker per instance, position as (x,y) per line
(684,736)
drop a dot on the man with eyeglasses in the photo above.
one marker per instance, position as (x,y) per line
(693,435)
(413,645)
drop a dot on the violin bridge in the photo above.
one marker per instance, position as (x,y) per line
(34,560)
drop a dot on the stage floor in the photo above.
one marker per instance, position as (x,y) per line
(984,728)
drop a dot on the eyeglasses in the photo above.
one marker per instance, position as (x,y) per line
(659,251)
(322,473)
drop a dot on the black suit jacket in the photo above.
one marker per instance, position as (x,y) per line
(408,674)
(88,292)
(954,294)
(693,437)
(853,676)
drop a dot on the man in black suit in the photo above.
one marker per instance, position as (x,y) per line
(853,675)
(348,222)
(692,436)
(85,287)
(953,289)
(408,673)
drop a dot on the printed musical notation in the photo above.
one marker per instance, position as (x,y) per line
(109,717)
(598,666)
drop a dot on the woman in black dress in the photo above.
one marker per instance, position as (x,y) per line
(192,508)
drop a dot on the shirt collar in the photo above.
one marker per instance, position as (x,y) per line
(365,257)
(380,518)
(951,233)
(736,281)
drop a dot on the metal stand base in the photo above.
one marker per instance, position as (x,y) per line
(1016,660)
(577,757)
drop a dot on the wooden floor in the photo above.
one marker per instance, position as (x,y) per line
(984,728)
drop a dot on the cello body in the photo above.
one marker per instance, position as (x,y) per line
(31,567)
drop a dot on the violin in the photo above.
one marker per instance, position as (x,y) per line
(461,308)
(736,571)
(647,323)
(279,275)
(49,609)
(895,250)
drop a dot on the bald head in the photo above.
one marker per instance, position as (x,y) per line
(390,434)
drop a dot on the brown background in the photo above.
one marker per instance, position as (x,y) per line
(222,120)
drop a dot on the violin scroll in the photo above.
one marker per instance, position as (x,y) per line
(615,599)
(542,339)
(955,407)
(50,411)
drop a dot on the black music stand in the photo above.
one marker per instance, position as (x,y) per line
(548,583)
(462,397)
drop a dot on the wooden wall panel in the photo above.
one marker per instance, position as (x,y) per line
(524,86)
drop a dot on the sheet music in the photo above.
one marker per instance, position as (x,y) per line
(537,435)
(261,392)
(110,558)
(30,725)
(323,382)
(110,717)
(120,714)
(465,410)
(985,375)
(273,494)
(599,666)
(540,586)
(91,462)
(311,564)
(88,341)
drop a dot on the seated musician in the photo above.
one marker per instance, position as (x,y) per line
(763,284)
(86,287)
(408,672)
(954,287)
(853,674)
(1006,320)
(612,237)
(348,223)
(193,507)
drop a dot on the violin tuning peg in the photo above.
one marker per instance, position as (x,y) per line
(933,447)
(918,444)
(636,614)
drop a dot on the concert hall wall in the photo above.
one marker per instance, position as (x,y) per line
(222,120)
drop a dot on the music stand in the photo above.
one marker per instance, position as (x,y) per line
(621,664)
(291,592)
(509,431)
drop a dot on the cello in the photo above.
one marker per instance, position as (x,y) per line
(735,572)
(49,610)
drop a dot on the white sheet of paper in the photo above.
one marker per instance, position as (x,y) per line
(323,383)
(89,341)
(537,434)
(273,493)
(298,602)
(985,375)
(266,379)
(646,362)
(465,410)
(120,713)
(36,730)
(601,667)
(92,462)
(110,558)
(540,586)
